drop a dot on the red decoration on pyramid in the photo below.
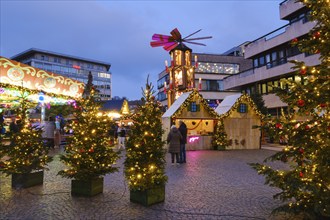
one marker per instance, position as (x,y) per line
(169,42)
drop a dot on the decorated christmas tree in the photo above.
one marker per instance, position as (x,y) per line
(220,140)
(305,184)
(26,152)
(89,152)
(145,155)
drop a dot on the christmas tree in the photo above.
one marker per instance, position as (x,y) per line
(220,140)
(305,185)
(145,156)
(89,151)
(26,152)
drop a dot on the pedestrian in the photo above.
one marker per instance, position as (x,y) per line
(183,130)
(121,136)
(173,139)
(57,132)
(48,133)
(2,124)
(13,126)
(13,129)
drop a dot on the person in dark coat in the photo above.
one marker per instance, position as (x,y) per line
(173,139)
(13,126)
(183,130)
(48,132)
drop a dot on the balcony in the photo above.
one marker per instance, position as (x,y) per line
(288,7)
(264,74)
(271,40)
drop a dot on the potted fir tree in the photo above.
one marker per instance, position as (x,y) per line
(145,155)
(220,141)
(26,155)
(89,153)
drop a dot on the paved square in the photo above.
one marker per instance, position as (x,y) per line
(211,185)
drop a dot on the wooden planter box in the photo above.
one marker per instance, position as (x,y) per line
(90,187)
(25,180)
(148,197)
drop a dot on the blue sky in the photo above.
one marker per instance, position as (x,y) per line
(119,32)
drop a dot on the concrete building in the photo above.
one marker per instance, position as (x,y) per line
(210,71)
(73,67)
(271,53)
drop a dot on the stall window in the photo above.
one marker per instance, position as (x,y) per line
(242,108)
(194,107)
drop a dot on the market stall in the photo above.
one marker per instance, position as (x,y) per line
(240,115)
(194,111)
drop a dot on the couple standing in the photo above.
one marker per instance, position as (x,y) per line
(177,139)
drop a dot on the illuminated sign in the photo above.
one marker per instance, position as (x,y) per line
(76,67)
(193,139)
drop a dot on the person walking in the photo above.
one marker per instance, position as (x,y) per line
(49,131)
(121,137)
(183,130)
(173,139)
(57,133)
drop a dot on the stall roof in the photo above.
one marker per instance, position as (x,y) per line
(227,103)
(176,105)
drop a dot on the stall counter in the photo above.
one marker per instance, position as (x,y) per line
(199,142)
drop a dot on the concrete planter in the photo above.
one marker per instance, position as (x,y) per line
(148,197)
(90,187)
(25,180)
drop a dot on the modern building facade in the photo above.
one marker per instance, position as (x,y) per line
(271,54)
(209,73)
(76,68)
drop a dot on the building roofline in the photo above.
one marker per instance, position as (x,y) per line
(34,50)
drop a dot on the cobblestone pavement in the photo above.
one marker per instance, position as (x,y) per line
(211,185)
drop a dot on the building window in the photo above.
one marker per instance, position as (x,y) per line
(261,61)
(242,108)
(57,60)
(43,57)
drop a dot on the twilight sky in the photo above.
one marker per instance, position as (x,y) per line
(119,32)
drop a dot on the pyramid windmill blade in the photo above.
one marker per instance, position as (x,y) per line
(176,34)
(157,43)
(198,38)
(170,46)
(195,43)
(161,37)
(192,34)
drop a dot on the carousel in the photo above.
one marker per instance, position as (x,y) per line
(19,82)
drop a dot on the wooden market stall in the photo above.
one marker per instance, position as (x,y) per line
(194,111)
(239,114)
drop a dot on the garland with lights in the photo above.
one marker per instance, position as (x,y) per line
(89,152)
(26,152)
(244,98)
(145,155)
(305,185)
(33,91)
(195,95)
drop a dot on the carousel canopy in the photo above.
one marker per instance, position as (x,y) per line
(39,85)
